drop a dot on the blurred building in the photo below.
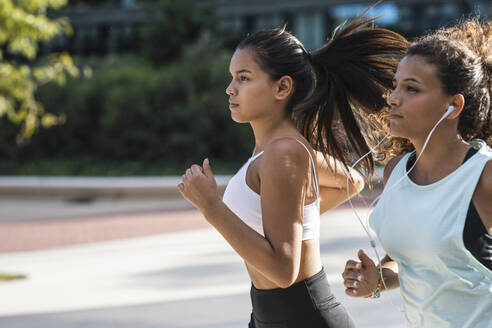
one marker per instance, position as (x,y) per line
(112,26)
(311,20)
(101,27)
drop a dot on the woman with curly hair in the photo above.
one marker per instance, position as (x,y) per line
(434,217)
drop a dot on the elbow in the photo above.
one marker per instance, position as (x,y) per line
(286,282)
(287,276)
(357,183)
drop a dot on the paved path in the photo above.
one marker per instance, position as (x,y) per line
(159,268)
(29,235)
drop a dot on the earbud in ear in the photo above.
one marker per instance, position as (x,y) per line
(449,111)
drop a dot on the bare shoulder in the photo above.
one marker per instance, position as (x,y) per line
(390,166)
(485,183)
(482,195)
(284,155)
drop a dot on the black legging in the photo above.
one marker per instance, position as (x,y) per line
(308,303)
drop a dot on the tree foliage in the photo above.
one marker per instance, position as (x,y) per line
(133,118)
(24,24)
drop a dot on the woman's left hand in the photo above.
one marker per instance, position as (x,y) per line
(198,186)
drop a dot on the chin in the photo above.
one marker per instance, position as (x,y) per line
(237,118)
(396,132)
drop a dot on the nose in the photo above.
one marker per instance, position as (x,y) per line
(392,99)
(230,90)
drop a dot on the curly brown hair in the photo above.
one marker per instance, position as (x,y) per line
(462,55)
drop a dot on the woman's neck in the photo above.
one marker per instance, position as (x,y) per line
(269,129)
(443,154)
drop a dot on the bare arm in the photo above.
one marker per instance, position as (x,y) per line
(390,267)
(483,195)
(332,178)
(390,273)
(284,167)
(361,277)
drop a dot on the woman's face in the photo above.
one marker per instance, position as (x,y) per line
(251,91)
(418,100)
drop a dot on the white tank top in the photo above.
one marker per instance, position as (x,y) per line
(246,203)
(421,228)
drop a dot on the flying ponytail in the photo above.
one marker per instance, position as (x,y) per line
(353,72)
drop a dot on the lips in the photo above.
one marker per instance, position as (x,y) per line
(394,116)
(233,105)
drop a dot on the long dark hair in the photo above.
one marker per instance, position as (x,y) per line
(350,73)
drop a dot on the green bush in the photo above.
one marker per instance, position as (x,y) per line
(130,117)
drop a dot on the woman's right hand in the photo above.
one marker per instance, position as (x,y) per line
(360,277)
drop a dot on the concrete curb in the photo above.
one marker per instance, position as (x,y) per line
(95,187)
(80,188)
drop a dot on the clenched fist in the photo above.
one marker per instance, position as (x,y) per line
(360,277)
(198,186)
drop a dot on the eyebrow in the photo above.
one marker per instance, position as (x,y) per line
(243,71)
(409,79)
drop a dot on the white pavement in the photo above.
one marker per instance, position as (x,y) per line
(185,279)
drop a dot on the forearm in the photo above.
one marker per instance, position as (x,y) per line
(332,173)
(332,179)
(390,274)
(255,249)
(331,196)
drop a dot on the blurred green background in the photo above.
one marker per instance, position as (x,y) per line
(129,87)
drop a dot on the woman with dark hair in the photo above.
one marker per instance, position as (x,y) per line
(434,217)
(270,212)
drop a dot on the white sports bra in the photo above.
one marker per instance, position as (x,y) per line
(246,203)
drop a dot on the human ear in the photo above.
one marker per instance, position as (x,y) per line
(284,87)
(458,102)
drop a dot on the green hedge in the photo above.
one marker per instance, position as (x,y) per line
(130,117)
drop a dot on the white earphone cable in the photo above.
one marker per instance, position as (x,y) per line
(365,225)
